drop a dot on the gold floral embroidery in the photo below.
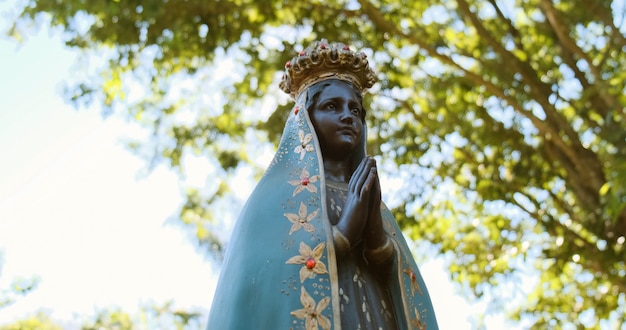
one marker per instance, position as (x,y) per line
(414,284)
(310,259)
(312,312)
(417,321)
(304,145)
(301,220)
(306,182)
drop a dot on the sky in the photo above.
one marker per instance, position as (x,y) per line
(75,208)
(78,210)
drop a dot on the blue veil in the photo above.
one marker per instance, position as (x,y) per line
(267,280)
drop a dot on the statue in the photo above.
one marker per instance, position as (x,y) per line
(314,246)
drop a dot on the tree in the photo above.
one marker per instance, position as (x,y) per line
(503,120)
(39,321)
(19,286)
(151,316)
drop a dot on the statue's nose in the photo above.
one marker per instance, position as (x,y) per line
(346,115)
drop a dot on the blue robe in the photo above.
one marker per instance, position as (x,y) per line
(280,269)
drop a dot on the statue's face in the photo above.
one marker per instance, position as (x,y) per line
(337,118)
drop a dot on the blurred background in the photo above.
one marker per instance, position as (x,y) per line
(132,132)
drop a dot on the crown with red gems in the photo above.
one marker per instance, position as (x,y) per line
(322,61)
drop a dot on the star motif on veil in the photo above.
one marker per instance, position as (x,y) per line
(302,219)
(304,145)
(305,182)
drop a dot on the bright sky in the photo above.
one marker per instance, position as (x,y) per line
(75,210)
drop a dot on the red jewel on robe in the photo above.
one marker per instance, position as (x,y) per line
(305,181)
(295,111)
(310,263)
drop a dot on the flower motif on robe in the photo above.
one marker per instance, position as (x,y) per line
(301,220)
(414,284)
(306,182)
(304,145)
(312,312)
(310,261)
(417,321)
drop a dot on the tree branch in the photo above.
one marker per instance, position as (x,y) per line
(582,164)
(517,38)
(595,7)
(540,92)
(562,33)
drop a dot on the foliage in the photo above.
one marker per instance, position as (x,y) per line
(113,318)
(19,286)
(39,321)
(506,119)
(151,316)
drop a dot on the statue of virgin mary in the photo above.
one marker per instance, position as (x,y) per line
(314,246)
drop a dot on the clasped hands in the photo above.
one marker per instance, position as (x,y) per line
(361,218)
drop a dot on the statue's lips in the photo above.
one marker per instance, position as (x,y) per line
(347,131)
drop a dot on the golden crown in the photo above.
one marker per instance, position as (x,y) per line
(322,61)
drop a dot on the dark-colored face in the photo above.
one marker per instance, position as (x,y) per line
(337,117)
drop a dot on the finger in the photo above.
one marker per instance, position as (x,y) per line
(375,192)
(364,176)
(352,181)
(375,169)
(356,179)
(377,179)
(369,181)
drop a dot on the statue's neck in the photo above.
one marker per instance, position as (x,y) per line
(337,170)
